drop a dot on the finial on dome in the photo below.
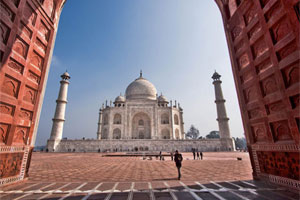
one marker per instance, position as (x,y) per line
(65,76)
(216,76)
(141,74)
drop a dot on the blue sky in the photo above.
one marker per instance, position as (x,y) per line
(104,43)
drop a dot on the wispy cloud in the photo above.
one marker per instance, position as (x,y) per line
(56,62)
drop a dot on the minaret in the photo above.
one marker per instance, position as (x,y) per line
(99,125)
(59,116)
(221,112)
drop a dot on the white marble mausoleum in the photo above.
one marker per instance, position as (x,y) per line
(138,121)
(141,114)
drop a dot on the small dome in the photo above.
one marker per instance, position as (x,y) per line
(216,76)
(120,99)
(65,76)
(141,88)
(163,99)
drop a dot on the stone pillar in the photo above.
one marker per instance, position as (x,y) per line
(99,125)
(226,140)
(182,135)
(221,110)
(61,102)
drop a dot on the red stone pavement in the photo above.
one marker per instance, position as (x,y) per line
(86,167)
(66,176)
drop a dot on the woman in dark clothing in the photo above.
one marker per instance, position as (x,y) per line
(178,159)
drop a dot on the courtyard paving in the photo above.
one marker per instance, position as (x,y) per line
(91,176)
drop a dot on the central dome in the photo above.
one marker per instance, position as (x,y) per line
(141,89)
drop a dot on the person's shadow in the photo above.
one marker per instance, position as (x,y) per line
(165,179)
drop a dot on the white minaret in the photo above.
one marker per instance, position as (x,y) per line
(61,102)
(99,125)
(222,119)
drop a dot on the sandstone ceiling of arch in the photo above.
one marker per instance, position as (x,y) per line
(27,32)
(263,38)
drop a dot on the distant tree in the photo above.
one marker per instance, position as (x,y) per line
(240,143)
(193,133)
(213,134)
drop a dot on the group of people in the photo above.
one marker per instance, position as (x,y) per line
(199,155)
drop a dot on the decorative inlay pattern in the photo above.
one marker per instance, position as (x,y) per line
(21,47)
(275,107)
(243,61)
(280,30)
(284,52)
(291,74)
(4,130)
(275,9)
(44,31)
(284,164)
(5,11)
(25,30)
(30,95)
(250,94)
(4,33)
(32,76)
(269,85)
(246,77)
(37,60)
(259,132)
(29,14)
(49,7)
(21,135)
(250,15)
(236,32)
(254,30)
(40,45)
(13,64)
(25,114)
(259,48)
(255,113)
(281,130)
(6,109)
(263,66)
(10,86)
(10,164)
(239,46)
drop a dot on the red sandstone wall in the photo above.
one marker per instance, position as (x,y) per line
(27,35)
(263,41)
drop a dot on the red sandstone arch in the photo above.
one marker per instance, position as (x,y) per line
(263,41)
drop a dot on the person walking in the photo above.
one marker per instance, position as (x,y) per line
(171,155)
(198,158)
(201,155)
(160,157)
(194,153)
(178,159)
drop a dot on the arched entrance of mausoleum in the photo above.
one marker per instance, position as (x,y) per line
(141,126)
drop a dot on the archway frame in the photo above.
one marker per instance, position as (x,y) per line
(249,28)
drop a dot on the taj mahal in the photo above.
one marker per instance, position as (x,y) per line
(140,114)
(139,121)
